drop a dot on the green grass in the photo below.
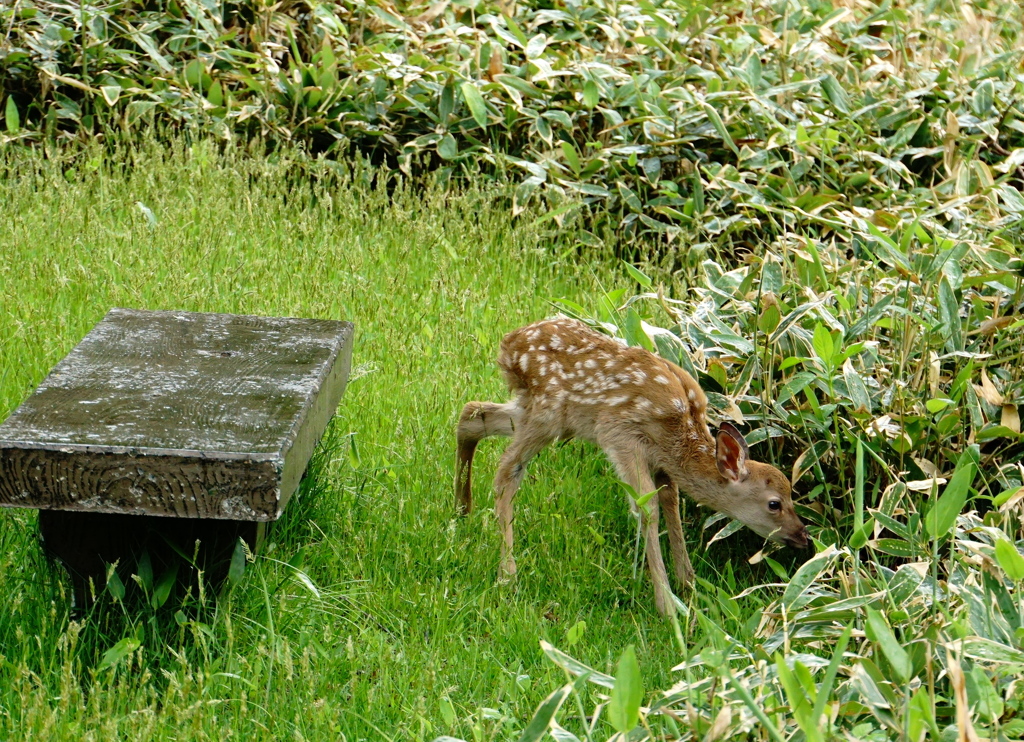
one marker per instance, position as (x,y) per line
(409,612)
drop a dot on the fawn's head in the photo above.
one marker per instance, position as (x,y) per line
(757,495)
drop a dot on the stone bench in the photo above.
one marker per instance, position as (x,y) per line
(206,419)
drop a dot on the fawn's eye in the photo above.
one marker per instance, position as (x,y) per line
(774,505)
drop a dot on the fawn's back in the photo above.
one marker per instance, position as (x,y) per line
(576,382)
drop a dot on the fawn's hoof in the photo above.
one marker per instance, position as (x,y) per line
(507,571)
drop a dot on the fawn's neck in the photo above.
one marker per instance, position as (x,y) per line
(690,461)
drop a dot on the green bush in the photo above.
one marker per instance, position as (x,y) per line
(707,126)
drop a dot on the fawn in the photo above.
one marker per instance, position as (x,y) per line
(647,414)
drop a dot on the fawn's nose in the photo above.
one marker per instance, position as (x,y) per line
(800,540)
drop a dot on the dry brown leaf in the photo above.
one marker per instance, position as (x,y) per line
(431,13)
(988,391)
(992,324)
(934,373)
(495,66)
(1010,418)
(721,725)
(965,728)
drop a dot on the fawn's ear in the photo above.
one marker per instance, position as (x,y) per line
(732,453)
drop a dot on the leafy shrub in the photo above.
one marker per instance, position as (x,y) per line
(711,126)
(888,384)
(851,650)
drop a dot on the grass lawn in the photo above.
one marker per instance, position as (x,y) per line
(407,635)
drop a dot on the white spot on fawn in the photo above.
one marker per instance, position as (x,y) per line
(613,401)
(692,394)
(642,403)
(610,364)
(680,405)
(661,379)
(524,362)
(555,341)
(590,363)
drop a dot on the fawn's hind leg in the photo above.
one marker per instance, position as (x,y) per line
(478,420)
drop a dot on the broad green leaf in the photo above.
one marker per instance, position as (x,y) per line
(571,156)
(561,735)
(1010,560)
(799,590)
(824,691)
(938,404)
(895,547)
(982,696)
(835,93)
(163,588)
(111,93)
(981,101)
(575,632)
(949,313)
(628,693)
(801,695)
(637,275)
(476,104)
(114,584)
(719,125)
(822,344)
(118,652)
(988,650)
(880,633)
(447,709)
(904,134)
(859,537)
(545,714)
(795,385)
(922,715)
(591,96)
(575,667)
(144,572)
(237,567)
(634,331)
(447,148)
(520,85)
(11,118)
(942,515)
(857,388)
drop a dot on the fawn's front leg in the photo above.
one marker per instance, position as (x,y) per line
(668,495)
(633,469)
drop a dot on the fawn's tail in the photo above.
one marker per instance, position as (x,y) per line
(478,420)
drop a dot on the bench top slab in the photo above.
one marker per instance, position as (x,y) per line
(216,402)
